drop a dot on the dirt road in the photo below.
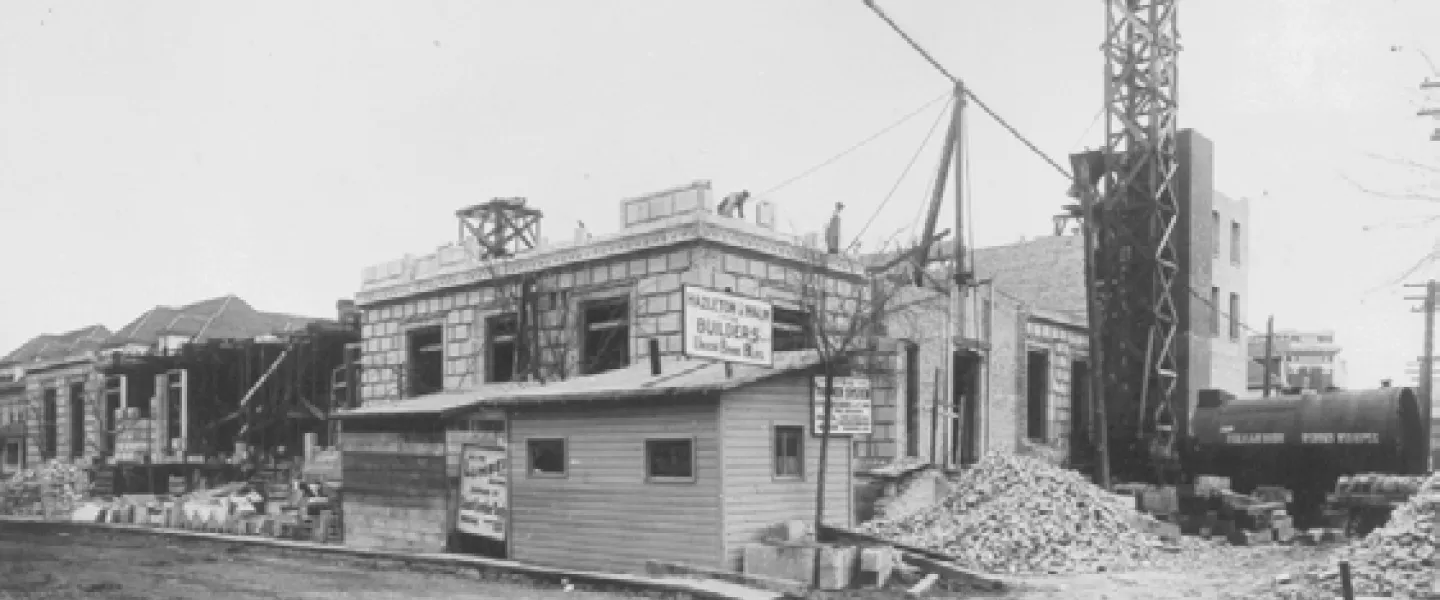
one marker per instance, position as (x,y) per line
(1222,572)
(43,561)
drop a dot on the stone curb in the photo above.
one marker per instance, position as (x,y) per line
(452,563)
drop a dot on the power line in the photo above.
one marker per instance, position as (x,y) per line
(966,90)
(891,194)
(855,147)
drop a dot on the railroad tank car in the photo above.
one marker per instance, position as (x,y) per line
(1307,441)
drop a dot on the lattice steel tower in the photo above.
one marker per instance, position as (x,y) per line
(1136,259)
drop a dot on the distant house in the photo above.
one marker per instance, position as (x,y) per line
(43,385)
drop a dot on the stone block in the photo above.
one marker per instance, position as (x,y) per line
(747,286)
(796,563)
(736,265)
(619,270)
(639,267)
(679,259)
(668,282)
(876,566)
(724,281)
(668,322)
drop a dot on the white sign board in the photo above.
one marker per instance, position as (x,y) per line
(726,327)
(483,495)
(850,404)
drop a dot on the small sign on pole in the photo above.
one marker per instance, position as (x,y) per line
(726,327)
(850,404)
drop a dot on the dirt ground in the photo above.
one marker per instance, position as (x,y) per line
(39,561)
(1221,572)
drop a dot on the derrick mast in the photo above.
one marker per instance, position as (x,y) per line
(1135,257)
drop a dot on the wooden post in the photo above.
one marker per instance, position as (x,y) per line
(1269,353)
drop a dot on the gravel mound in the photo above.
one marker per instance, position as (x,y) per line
(1017,514)
(1398,559)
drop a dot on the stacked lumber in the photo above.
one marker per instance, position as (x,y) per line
(1016,514)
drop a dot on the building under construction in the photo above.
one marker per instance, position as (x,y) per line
(220,380)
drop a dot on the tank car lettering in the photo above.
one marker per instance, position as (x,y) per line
(1358,438)
(1317,438)
(1255,438)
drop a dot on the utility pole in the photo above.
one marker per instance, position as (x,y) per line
(1269,353)
(1427,362)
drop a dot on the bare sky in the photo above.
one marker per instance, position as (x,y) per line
(166,152)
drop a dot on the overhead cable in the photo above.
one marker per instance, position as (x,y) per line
(891,194)
(857,146)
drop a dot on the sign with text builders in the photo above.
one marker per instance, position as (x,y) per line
(850,404)
(727,327)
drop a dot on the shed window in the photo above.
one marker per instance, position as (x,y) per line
(427,360)
(500,342)
(789,451)
(607,335)
(670,460)
(791,330)
(12,454)
(547,457)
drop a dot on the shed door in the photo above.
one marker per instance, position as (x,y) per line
(483,510)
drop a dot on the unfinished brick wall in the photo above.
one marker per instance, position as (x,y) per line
(396,490)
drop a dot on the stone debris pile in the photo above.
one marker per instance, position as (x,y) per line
(1398,559)
(1016,514)
(53,487)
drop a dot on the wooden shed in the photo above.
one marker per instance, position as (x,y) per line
(598,473)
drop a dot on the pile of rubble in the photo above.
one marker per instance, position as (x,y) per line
(1016,514)
(1398,559)
(53,487)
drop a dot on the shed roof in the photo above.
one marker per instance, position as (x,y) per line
(635,381)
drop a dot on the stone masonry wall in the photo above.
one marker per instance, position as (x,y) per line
(651,280)
(396,490)
(61,379)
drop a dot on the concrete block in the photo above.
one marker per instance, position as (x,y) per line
(876,566)
(679,259)
(796,563)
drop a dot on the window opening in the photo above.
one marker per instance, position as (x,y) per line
(77,420)
(789,451)
(51,426)
(427,360)
(501,337)
(790,330)
(547,457)
(672,460)
(1037,395)
(607,335)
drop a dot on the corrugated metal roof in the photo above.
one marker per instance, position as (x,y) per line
(634,381)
